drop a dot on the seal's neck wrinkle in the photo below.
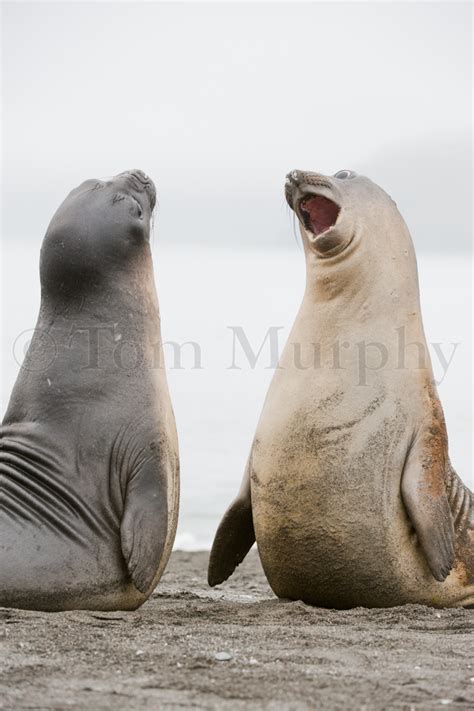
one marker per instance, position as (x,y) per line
(371,270)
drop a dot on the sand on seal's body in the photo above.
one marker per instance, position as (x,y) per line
(349,490)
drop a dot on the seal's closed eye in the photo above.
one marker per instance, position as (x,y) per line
(139,208)
(118,197)
(345,174)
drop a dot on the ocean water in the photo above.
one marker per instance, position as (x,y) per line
(205,294)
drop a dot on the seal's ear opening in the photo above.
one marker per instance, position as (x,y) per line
(318,213)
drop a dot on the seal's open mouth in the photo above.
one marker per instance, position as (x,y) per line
(318,213)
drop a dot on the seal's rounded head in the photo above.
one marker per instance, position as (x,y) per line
(331,209)
(100,225)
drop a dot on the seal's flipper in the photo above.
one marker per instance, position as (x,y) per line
(425,497)
(145,522)
(234,538)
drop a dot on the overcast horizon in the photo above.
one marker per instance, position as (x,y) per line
(217,102)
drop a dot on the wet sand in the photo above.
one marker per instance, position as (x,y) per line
(236,647)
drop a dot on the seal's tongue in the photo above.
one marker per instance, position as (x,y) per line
(319,213)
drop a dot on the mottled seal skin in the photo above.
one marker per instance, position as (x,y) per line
(349,490)
(88,449)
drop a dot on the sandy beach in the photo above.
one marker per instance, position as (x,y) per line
(235,647)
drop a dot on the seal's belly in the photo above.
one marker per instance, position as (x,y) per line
(327,508)
(41,570)
(59,529)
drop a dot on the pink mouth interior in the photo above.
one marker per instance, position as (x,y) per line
(319,213)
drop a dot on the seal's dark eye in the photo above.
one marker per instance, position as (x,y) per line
(345,174)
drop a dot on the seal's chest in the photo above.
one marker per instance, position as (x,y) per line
(313,464)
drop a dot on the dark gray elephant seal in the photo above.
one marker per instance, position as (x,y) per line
(88,446)
(349,491)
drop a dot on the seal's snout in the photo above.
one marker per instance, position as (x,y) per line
(141,182)
(294,177)
(302,178)
(140,175)
(292,182)
(291,185)
(300,182)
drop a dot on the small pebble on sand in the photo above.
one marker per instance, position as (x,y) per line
(222,656)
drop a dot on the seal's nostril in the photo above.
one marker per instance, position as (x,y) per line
(137,173)
(293,177)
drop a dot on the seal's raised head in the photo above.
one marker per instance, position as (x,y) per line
(100,225)
(332,210)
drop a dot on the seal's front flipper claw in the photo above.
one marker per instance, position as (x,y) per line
(425,497)
(144,525)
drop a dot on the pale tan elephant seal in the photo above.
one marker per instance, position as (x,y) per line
(88,448)
(349,490)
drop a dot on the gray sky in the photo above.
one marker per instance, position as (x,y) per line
(218,101)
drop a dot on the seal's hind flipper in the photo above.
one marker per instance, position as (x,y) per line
(234,538)
(425,496)
(145,522)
